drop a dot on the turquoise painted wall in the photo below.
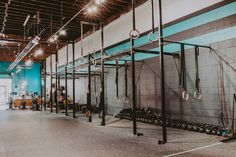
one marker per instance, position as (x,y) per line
(31,76)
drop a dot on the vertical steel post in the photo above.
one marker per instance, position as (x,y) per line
(102,101)
(41,85)
(89,89)
(73,78)
(51,85)
(44,87)
(66,96)
(163,103)
(59,87)
(126,79)
(133,74)
(56,59)
(153,20)
(117,79)
(233,110)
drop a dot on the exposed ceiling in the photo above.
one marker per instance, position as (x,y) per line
(57,12)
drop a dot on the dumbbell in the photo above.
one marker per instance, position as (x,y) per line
(214,130)
(196,127)
(156,118)
(138,116)
(208,128)
(174,123)
(184,125)
(150,117)
(202,127)
(220,131)
(189,126)
(145,115)
(178,124)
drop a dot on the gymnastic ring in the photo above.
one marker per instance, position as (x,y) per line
(82,60)
(150,35)
(126,100)
(117,100)
(42,71)
(185,95)
(134,34)
(197,95)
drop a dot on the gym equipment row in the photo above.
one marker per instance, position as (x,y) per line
(145,115)
(150,116)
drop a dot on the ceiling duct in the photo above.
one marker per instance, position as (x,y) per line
(24,52)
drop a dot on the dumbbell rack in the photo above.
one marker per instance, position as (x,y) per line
(147,115)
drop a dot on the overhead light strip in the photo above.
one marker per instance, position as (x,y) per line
(26,20)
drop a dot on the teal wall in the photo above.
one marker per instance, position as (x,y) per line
(31,76)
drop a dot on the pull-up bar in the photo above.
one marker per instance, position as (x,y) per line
(155,52)
(189,44)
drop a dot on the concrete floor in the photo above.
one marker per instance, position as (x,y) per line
(45,134)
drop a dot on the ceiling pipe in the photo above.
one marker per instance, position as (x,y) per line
(24,52)
(81,10)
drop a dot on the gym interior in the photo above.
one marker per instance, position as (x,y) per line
(122,78)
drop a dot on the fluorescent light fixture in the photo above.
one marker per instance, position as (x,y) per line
(21,67)
(24,52)
(29,62)
(62,32)
(38,52)
(26,20)
(18,70)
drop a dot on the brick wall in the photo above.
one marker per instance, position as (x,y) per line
(208,109)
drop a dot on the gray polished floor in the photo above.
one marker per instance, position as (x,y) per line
(45,134)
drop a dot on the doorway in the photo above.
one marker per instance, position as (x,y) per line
(5,90)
